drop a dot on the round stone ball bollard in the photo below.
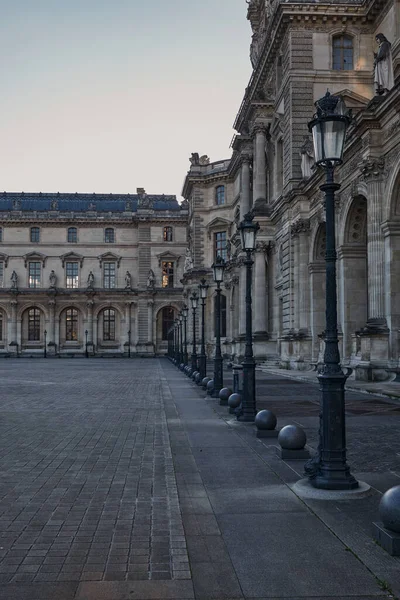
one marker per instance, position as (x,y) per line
(198,378)
(387,532)
(292,440)
(204,382)
(265,421)
(210,387)
(224,395)
(234,401)
(193,375)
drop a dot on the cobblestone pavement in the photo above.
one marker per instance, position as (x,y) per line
(88,490)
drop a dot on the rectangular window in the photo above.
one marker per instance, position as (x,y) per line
(109,235)
(71,325)
(72,235)
(1,274)
(35,234)
(34,325)
(220,244)
(167,275)
(34,275)
(1,234)
(220,194)
(109,275)
(109,325)
(72,274)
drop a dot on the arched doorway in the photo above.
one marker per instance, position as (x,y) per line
(165,321)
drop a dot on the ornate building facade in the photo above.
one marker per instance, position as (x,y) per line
(95,274)
(298,50)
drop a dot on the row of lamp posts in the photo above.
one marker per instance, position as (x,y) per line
(328,469)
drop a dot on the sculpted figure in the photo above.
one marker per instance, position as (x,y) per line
(307,158)
(14,279)
(383,66)
(52,279)
(90,279)
(128,280)
(188,261)
(150,279)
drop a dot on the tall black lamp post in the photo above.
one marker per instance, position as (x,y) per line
(176,350)
(185,312)
(329,469)
(129,343)
(248,231)
(218,273)
(86,343)
(203,288)
(45,344)
(194,300)
(181,353)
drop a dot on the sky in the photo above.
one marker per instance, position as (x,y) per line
(107,96)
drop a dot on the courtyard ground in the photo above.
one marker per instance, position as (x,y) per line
(120,480)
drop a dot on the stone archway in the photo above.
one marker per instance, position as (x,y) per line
(164,321)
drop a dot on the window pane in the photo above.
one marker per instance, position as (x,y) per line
(72,234)
(72,274)
(34,325)
(109,235)
(34,275)
(71,324)
(109,275)
(167,274)
(109,324)
(35,234)
(220,245)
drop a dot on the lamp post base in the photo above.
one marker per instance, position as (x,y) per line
(202,365)
(218,377)
(248,411)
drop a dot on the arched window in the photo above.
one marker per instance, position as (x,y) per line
(342,53)
(167,236)
(220,194)
(34,325)
(109,235)
(109,325)
(72,235)
(167,321)
(71,325)
(223,316)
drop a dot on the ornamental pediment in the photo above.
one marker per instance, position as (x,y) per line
(109,257)
(168,257)
(352,100)
(218,223)
(71,256)
(35,256)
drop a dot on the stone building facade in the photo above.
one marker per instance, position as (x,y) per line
(96,273)
(298,50)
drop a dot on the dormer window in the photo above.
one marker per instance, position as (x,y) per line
(220,195)
(342,53)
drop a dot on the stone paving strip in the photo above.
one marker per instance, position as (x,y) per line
(87,484)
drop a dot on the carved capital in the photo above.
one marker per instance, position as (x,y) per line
(259,128)
(372,168)
(300,226)
(245,159)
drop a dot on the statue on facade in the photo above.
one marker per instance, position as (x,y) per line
(194,159)
(52,279)
(307,158)
(128,280)
(90,280)
(150,280)
(383,66)
(188,261)
(14,280)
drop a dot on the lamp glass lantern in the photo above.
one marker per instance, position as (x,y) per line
(218,269)
(328,129)
(194,300)
(185,311)
(248,231)
(203,287)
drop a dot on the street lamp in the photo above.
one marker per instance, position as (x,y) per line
(194,300)
(329,469)
(181,355)
(218,274)
(185,312)
(129,343)
(45,344)
(86,343)
(248,231)
(176,351)
(203,288)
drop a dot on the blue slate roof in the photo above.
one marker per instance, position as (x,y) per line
(85,202)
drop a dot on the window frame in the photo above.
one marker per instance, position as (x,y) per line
(35,274)
(34,232)
(167,274)
(342,37)
(107,231)
(71,317)
(220,195)
(109,323)
(74,232)
(67,275)
(34,324)
(168,233)
(224,250)
(108,275)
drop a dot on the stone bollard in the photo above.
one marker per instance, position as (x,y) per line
(224,395)
(292,440)
(387,532)
(210,387)
(204,382)
(265,422)
(234,401)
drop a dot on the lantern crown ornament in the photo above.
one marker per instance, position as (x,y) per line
(328,128)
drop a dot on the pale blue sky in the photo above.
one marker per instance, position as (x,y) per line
(111,95)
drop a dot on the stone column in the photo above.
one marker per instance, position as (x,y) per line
(300,231)
(260,165)
(14,343)
(245,200)
(259,293)
(150,305)
(51,337)
(89,306)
